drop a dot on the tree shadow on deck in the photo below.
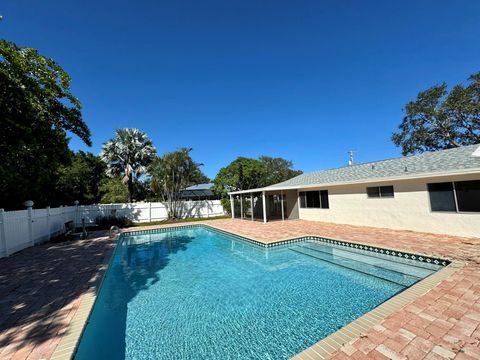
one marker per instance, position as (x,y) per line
(40,286)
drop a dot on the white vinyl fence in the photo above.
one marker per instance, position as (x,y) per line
(23,228)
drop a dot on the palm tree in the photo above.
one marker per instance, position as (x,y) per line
(129,153)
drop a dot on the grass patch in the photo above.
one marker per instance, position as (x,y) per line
(178,221)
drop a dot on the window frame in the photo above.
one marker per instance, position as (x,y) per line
(454,187)
(302,199)
(454,198)
(313,198)
(379,191)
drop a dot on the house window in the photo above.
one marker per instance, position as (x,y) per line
(468,195)
(442,197)
(303,200)
(324,199)
(314,199)
(455,196)
(380,192)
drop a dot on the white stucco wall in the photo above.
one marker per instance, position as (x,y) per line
(408,210)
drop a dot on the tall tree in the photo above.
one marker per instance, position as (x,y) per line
(277,169)
(113,190)
(241,174)
(128,154)
(171,173)
(36,110)
(439,119)
(80,180)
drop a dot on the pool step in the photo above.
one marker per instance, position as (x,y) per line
(396,264)
(372,270)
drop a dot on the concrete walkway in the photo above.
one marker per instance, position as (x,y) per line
(42,287)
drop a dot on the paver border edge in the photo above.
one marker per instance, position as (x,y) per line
(66,348)
(356,328)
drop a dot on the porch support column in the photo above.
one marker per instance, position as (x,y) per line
(232,207)
(264,204)
(283,212)
(241,206)
(251,205)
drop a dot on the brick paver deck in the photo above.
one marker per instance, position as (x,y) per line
(42,287)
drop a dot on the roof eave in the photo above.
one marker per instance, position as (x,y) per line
(367,181)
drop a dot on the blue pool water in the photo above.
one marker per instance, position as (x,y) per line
(199,294)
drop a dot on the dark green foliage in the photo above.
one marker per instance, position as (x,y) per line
(143,190)
(80,180)
(439,119)
(106,222)
(36,110)
(245,173)
(113,191)
(278,170)
(67,236)
(171,173)
(241,174)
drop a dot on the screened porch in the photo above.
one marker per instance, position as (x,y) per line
(264,205)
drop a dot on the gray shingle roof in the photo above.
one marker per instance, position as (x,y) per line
(200,187)
(442,161)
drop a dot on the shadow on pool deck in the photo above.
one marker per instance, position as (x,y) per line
(41,289)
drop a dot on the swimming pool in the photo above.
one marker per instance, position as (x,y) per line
(198,293)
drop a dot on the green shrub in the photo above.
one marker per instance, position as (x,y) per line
(61,238)
(107,221)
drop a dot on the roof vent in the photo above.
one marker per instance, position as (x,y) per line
(350,157)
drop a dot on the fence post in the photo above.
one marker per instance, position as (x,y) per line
(2,231)
(149,211)
(76,202)
(29,205)
(49,235)
(64,213)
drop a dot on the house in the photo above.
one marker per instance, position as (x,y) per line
(198,192)
(436,192)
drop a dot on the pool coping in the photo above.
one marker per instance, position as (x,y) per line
(322,349)
(68,344)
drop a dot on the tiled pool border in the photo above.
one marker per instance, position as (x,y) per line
(321,350)
(384,251)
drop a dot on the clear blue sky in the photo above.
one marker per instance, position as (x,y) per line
(304,80)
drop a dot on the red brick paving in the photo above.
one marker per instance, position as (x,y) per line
(42,287)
